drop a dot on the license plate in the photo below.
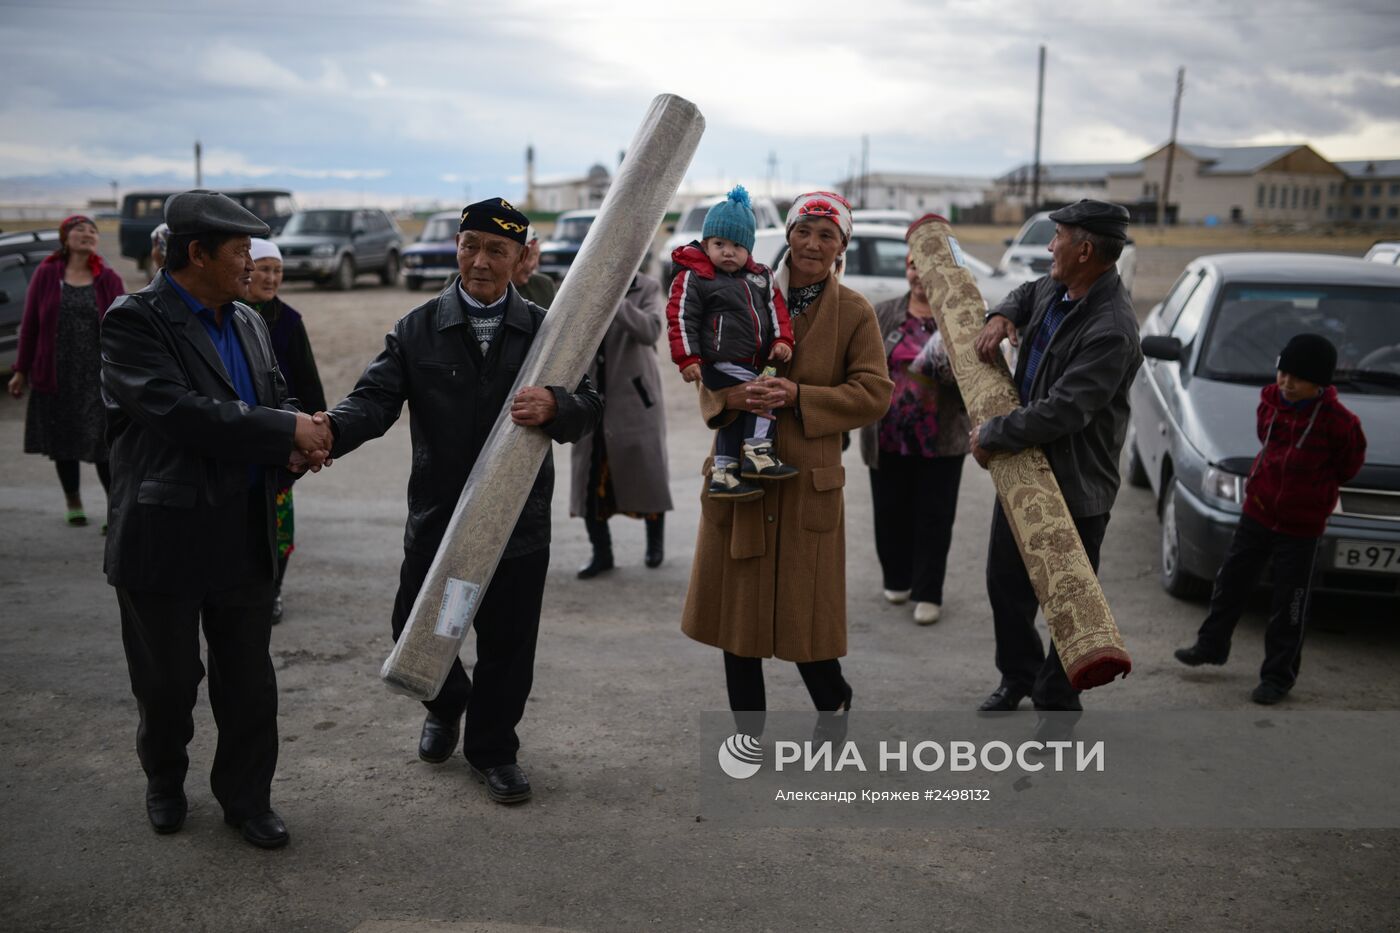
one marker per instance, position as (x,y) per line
(1366,555)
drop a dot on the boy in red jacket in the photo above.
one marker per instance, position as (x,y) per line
(1312,444)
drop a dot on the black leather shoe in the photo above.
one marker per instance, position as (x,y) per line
(1267,694)
(1195,656)
(1058,728)
(504,783)
(599,564)
(166,811)
(831,726)
(656,536)
(439,738)
(1003,699)
(266,830)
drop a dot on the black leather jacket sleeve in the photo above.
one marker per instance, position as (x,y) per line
(578,412)
(375,403)
(142,376)
(1019,306)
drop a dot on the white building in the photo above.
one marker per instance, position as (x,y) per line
(1237,184)
(567,194)
(915,192)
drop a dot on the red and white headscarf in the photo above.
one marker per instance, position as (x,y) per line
(826,205)
(95,262)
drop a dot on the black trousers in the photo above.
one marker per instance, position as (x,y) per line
(1021,657)
(729,440)
(507,627)
(915,500)
(1249,551)
(743,677)
(70,478)
(160,632)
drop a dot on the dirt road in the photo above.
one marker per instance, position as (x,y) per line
(611,840)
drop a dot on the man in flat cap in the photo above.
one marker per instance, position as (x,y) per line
(1079,351)
(199,424)
(454,360)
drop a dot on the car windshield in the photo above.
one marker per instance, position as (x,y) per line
(1040,233)
(314,222)
(1253,322)
(694,219)
(572,229)
(439,228)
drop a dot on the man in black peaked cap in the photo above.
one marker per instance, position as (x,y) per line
(454,360)
(1079,351)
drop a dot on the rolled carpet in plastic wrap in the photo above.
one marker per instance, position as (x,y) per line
(1081,624)
(500,482)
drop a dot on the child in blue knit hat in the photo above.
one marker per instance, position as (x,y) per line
(726,319)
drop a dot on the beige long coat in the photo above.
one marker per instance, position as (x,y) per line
(769,577)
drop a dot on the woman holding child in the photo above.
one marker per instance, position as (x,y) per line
(769,577)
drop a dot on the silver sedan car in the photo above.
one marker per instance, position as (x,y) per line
(1210,346)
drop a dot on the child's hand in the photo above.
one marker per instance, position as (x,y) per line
(691,373)
(780,352)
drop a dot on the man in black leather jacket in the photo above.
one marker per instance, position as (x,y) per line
(1079,351)
(454,360)
(198,421)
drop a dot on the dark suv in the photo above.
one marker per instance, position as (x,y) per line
(143,211)
(333,246)
(20,255)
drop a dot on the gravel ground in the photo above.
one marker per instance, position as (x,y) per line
(611,841)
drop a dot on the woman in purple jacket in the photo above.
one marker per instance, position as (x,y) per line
(60,360)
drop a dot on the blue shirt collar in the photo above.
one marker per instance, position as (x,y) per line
(191,301)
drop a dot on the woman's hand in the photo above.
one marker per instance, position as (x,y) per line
(17,384)
(769,392)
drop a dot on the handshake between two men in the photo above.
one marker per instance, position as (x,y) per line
(532,406)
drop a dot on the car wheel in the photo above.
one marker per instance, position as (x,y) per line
(1175,580)
(413,282)
(1137,470)
(390,273)
(345,274)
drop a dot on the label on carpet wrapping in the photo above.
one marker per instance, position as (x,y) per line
(957,252)
(458,601)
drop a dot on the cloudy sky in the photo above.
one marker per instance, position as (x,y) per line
(437,99)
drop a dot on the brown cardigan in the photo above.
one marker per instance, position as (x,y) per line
(769,577)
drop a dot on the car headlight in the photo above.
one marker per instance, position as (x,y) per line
(413,261)
(325,249)
(1223,485)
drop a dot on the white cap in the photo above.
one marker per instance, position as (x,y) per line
(265,249)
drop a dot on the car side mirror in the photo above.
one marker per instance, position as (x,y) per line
(357,232)
(1162,348)
(1007,241)
(670,228)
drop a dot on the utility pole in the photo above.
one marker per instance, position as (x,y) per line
(772,173)
(865,171)
(1171,150)
(1039,111)
(198,168)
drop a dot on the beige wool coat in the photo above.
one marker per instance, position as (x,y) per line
(769,577)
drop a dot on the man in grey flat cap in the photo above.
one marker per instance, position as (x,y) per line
(1079,352)
(200,425)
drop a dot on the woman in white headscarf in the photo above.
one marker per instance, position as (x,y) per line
(292,348)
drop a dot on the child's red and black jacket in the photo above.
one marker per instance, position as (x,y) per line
(723,317)
(1309,451)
